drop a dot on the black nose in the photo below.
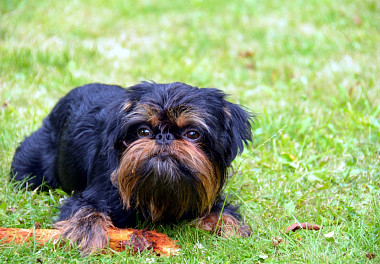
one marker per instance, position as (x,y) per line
(164,138)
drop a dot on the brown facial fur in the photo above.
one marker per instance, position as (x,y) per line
(183,117)
(179,116)
(183,151)
(127,105)
(87,228)
(145,113)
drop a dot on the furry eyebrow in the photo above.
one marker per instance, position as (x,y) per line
(180,116)
(187,118)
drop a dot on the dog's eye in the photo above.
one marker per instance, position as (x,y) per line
(144,132)
(192,135)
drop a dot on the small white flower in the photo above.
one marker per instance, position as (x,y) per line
(200,247)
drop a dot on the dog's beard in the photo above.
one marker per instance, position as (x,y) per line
(167,181)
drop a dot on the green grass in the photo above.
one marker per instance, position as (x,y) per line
(309,69)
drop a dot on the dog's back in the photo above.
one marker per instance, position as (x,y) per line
(48,154)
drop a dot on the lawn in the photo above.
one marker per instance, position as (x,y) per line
(309,70)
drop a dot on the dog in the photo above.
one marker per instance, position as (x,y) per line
(150,152)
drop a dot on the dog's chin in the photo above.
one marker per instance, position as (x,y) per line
(167,190)
(166,184)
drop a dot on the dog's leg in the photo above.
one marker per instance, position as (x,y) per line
(81,223)
(35,158)
(224,222)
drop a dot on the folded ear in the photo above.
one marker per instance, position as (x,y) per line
(238,125)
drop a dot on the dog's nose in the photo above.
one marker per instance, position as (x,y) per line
(164,138)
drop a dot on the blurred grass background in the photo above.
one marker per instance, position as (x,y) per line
(309,69)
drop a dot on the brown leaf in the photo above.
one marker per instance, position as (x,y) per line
(307,226)
(250,66)
(246,54)
(370,256)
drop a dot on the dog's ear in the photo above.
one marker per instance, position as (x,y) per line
(238,125)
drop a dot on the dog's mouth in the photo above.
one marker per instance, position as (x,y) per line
(163,156)
(166,183)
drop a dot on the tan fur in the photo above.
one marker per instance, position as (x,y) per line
(186,152)
(181,117)
(208,174)
(190,117)
(146,113)
(125,177)
(87,228)
(227,112)
(127,105)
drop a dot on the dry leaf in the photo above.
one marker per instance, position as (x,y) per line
(307,226)
(370,256)
(246,54)
(250,66)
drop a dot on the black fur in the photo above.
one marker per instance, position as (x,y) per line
(82,140)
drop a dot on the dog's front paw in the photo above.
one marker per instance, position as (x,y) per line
(87,228)
(224,225)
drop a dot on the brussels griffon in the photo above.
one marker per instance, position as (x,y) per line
(156,152)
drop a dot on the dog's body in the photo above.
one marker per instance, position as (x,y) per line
(152,151)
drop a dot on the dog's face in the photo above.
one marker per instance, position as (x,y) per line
(175,143)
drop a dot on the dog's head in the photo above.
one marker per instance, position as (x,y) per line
(175,143)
